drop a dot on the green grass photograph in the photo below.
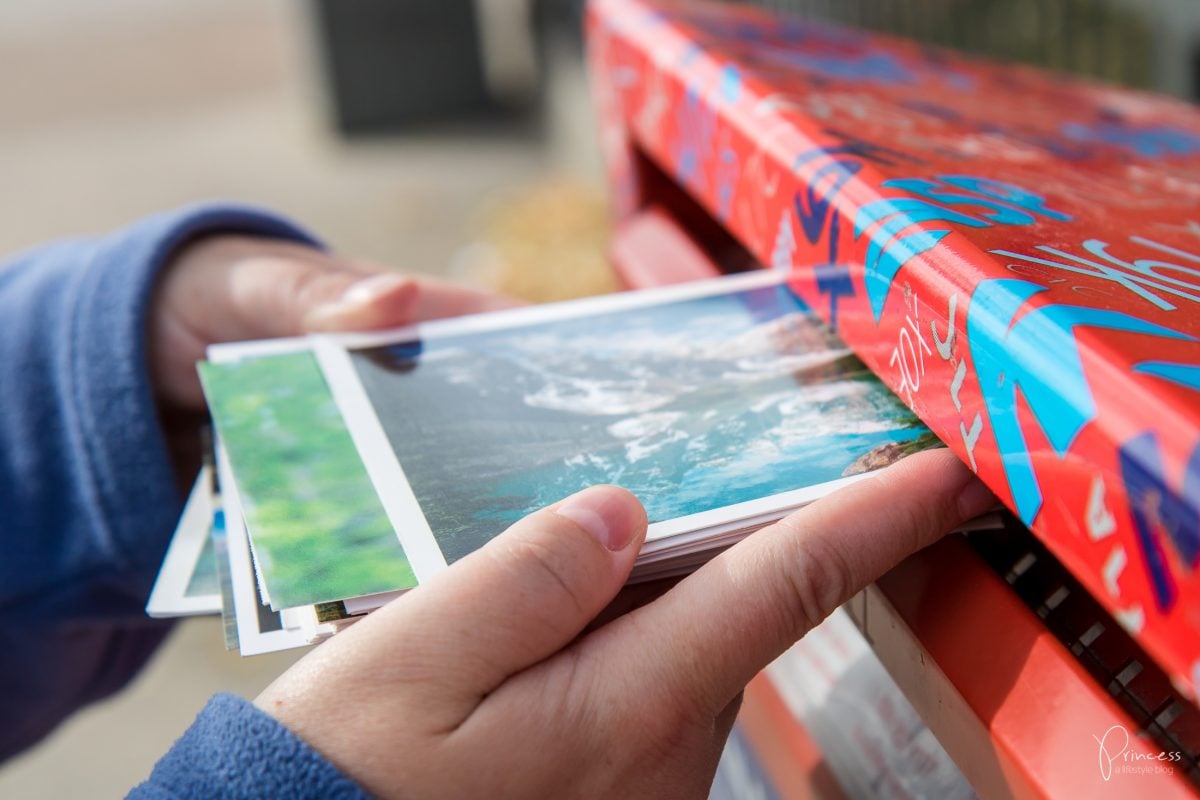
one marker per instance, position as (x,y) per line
(318,530)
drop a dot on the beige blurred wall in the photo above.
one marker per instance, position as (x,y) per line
(112,110)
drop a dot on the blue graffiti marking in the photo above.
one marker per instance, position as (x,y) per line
(779,31)
(888,250)
(834,280)
(1142,471)
(1155,507)
(835,230)
(812,209)
(1052,144)
(1155,141)
(997,213)
(863,67)
(883,263)
(932,109)
(730,86)
(727,176)
(1182,520)
(958,80)
(1040,354)
(1008,193)
(1008,204)
(696,122)
(1184,374)
(697,128)
(904,211)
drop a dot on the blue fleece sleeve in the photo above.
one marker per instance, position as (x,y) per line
(88,498)
(235,751)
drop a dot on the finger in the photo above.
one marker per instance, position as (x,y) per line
(726,719)
(727,621)
(438,299)
(631,598)
(519,599)
(270,289)
(281,289)
(389,300)
(230,288)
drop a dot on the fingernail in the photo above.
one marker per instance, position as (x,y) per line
(366,290)
(356,298)
(975,499)
(602,513)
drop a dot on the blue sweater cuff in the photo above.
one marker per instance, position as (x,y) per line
(117,415)
(234,750)
(86,484)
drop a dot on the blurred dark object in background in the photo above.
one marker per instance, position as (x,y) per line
(392,65)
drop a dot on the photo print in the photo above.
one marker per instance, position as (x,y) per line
(708,401)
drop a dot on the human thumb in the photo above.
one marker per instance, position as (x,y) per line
(388,699)
(526,594)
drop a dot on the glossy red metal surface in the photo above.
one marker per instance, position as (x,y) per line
(1015,253)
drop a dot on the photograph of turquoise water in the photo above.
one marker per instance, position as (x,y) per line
(691,405)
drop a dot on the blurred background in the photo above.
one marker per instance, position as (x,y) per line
(446,136)
(380,125)
(1148,44)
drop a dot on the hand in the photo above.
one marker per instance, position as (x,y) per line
(229,288)
(488,682)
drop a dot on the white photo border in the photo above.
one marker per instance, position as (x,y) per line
(169,596)
(251,639)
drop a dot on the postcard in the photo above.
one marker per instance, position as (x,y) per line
(717,403)
(220,545)
(187,581)
(259,628)
(305,494)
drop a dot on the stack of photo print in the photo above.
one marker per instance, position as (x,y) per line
(348,469)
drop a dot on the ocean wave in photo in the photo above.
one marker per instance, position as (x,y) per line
(595,397)
(692,406)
